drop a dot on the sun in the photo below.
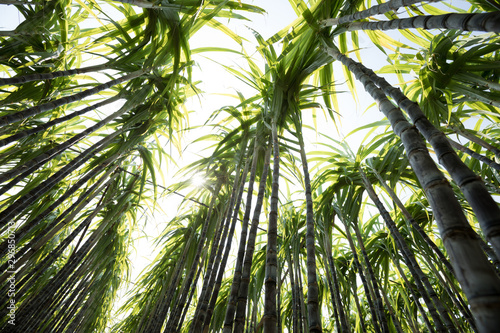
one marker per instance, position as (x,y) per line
(198,180)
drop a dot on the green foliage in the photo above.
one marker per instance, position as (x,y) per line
(83,190)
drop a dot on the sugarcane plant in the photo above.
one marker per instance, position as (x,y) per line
(293,229)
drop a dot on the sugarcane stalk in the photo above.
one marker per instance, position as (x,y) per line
(467,258)
(20,115)
(270,317)
(231,305)
(489,22)
(50,76)
(383,8)
(472,186)
(59,120)
(239,321)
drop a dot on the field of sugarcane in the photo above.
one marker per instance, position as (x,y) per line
(277,222)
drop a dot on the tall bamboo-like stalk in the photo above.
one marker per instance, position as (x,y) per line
(437,310)
(177,309)
(312,281)
(231,305)
(454,295)
(39,269)
(414,294)
(372,281)
(32,318)
(20,204)
(476,140)
(25,253)
(412,221)
(392,5)
(50,76)
(473,154)
(395,319)
(212,268)
(222,266)
(302,318)
(483,291)
(18,116)
(358,308)
(366,287)
(27,227)
(239,320)
(292,287)
(326,260)
(270,317)
(167,295)
(27,168)
(488,22)
(343,325)
(426,238)
(476,193)
(43,127)
(190,297)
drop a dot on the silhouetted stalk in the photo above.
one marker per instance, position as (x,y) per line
(166,296)
(385,7)
(212,270)
(436,308)
(211,267)
(363,279)
(467,258)
(190,297)
(23,202)
(231,305)
(300,290)
(20,115)
(270,318)
(70,313)
(39,269)
(460,305)
(56,121)
(358,307)
(414,294)
(373,281)
(475,155)
(27,227)
(344,328)
(477,140)
(229,238)
(181,300)
(412,221)
(278,296)
(395,320)
(27,251)
(489,252)
(292,287)
(239,321)
(327,255)
(30,166)
(489,22)
(477,195)
(313,310)
(58,280)
(49,76)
